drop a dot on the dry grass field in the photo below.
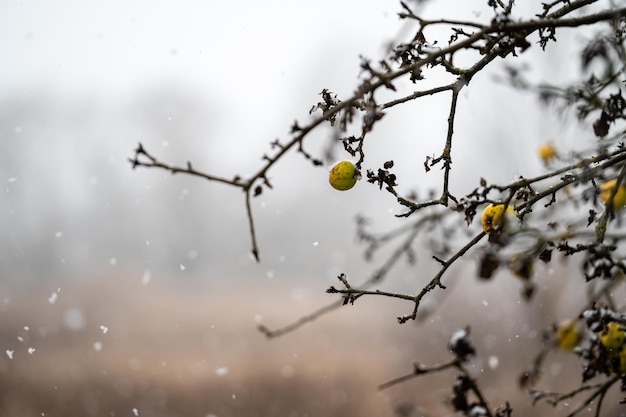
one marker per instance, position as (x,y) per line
(132,350)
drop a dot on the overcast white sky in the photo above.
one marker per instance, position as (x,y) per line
(119,45)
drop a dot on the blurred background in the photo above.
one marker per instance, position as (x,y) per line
(133,292)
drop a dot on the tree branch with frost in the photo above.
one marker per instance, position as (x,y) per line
(502,38)
(254,185)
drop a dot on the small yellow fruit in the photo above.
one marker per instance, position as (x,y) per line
(492,218)
(568,334)
(343,176)
(620,196)
(612,336)
(546,152)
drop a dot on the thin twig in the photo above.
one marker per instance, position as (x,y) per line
(436,281)
(418,370)
(601,391)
